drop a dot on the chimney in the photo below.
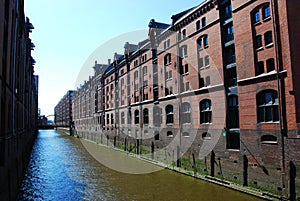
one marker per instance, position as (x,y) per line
(109,61)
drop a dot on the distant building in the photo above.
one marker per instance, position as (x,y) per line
(19,100)
(42,121)
(63,111)
(221,80)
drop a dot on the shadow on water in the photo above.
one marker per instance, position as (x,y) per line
(61,169)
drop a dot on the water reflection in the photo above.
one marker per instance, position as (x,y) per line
(61,169)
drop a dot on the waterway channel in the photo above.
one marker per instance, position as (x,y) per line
(62,169)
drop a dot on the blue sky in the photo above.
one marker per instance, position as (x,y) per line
(67,32)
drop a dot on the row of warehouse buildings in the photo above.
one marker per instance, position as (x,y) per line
(219,82)
(19,96)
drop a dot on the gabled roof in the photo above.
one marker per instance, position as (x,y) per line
(180,16)
(159,25)
(176,17)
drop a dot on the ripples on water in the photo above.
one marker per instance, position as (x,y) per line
(61,169)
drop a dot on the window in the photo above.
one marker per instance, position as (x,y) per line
(200,43)
(268,38)
(267,106)
(185,134)
(129,117)
(107,119)
(256,16)
(169,114)
(187,86)
(198,26)
(186,113)
(227,11)
(136,75)
(268,139)
(136,117)
(203,20)
(259,68)
(168,43)
(183,33)
(122,71)
(232,140)
(169,134)
(205,111)
(229,34)
(206,59)
(184,51)
(122,118)
(233,112)
(205,39)
(146,116)
(270,65)
(156,116)
(112,118)
(207,80)
(258,42)
(167,59)
(145,83)
(156,135)
(186,68)
(266,12)
(200,63)
(170,74)
(145,70)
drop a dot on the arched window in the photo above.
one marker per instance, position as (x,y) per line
(205,111)
(256,16)
(266,12)
(200,43)
(233,112)
(146,116)
(186,113)
(136,117)
(169,114)
(169,134)
(267,106)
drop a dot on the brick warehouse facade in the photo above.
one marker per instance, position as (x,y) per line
(19,96)
(220,83)
(63,111)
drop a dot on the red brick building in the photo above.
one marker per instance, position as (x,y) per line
(63,116)
(19,96)
(220,82)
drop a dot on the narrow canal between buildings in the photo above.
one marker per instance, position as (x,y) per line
(62,169)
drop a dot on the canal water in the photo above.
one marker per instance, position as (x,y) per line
(62,169)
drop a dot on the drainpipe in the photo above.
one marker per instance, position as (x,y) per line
(179,80)
(279,86)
